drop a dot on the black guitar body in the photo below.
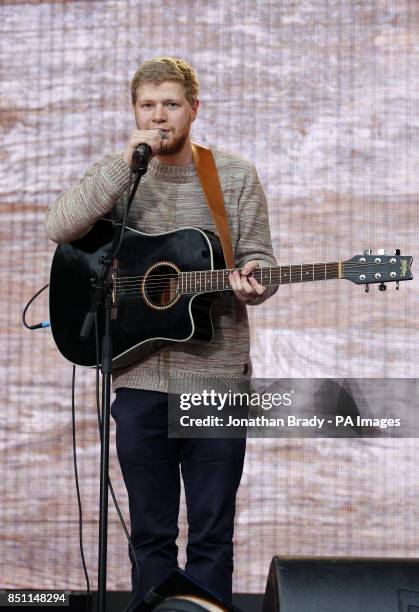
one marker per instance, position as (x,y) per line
(148,313)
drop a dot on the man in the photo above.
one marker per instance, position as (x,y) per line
(165,102)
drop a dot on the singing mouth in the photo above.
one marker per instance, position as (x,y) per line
(164,134)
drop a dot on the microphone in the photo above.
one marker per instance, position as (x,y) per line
(143,151)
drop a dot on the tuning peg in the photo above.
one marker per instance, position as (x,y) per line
(367,251)
(382,287)
(367,288)
(397,251)
(381,252)
(397,284)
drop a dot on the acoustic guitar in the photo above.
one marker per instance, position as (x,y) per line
(163,287)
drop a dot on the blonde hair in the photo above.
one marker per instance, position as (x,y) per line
(166,68)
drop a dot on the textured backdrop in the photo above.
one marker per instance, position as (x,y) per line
(323,96)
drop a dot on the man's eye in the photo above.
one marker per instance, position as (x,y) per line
(173,104)
(145,105)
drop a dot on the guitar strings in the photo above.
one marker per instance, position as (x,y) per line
(120,280)
(168,285)
(273,268)
(163,286)
(158,289)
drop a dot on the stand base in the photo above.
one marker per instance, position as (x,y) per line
(118,600)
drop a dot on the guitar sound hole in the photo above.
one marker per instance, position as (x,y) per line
(160,285)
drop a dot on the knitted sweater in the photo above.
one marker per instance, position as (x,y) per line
(171,197)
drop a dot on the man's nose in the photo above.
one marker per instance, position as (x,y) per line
(159,114)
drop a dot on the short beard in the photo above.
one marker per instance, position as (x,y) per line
(174,147)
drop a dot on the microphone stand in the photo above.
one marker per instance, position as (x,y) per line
(102,295)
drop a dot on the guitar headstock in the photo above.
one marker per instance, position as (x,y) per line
(380,268)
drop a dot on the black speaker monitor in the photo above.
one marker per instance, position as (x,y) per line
(342,585)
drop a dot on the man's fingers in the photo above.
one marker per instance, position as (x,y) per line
(150,137)
(249,267)
(240,283)
(260,289)
(244,285)
(235,281)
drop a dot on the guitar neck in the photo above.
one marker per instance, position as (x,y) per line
(217,280)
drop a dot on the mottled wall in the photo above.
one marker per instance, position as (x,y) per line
(323,96)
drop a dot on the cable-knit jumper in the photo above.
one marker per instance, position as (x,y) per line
(171,197)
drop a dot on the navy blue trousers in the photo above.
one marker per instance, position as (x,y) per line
(151,464)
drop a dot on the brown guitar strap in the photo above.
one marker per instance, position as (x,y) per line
(210,183)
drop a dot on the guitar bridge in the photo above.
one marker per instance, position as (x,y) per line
(113,289)
(114,312)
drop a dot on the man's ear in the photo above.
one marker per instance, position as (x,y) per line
(194,110)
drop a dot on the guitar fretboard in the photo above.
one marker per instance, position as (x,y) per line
(217,280)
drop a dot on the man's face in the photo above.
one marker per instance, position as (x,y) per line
(164,106)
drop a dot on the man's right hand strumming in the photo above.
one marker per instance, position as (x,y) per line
(151,137)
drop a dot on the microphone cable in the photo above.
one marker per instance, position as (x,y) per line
(45,324)
(76,476)
(33,298)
